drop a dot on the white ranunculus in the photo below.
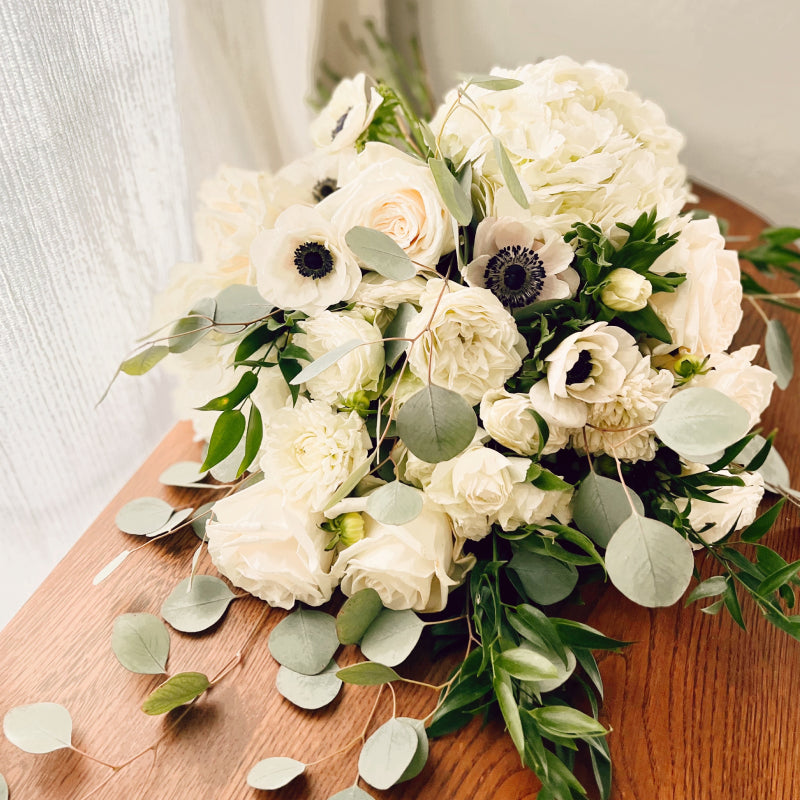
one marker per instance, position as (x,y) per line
(473,344)
(271,548)
(380,293)
(704,312)
(359,370)
(584,147)
(591,364)
(348,114)
(737,377)
(626,290)
(409,566)
(529,505)
(311,449)
(738,506)
(395,194)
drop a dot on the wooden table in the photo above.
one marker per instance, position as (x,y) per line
(700,709)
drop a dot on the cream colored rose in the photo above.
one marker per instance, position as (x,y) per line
(705,311)
(309,450)
(271,548)
(473,344)
(409,566)
(380,293)
(348,114)
(626,290)
(359,370)
(395,194)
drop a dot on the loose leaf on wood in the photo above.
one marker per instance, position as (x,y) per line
(202,515)
(39,727)
(601,506)
(3,788)
(649,562)
(699,420)
(273,773)
(509,173)
(324,361)
(145,361)
(452,193)
(379,252)
(177,691)
(309,691)
(141,643)
(423,748)
(196,603)
(227,434)
(143,515)
(183,473)
(367,673)
(304,641)
(545,580)
(357,614)
(388,753)
(189,330)
(436,424)
(778,347)
(180,516)
(110,567)
(397,328)
(392,636)
(352,793)
(395,503)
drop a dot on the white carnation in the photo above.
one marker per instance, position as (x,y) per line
(348,114)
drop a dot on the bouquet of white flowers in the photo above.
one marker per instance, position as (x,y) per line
(476,363)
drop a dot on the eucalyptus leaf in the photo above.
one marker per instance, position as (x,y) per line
(388,753)
(237,305)
(145,361)
(649,562)
(274,773)
(324,361)
(189,330)
(183,473)
(452,193)
(526,664)
(304,641)
(601,506)
(395,503)
(141,643)
(143,515)
(202,515)
(176,691)
(545,580)
(436,424)
(39,727)
(367,673)
(778,347)
(3,788)
(350,483)
(196,603)
(110,567)
(309,691)
(357,614)
(397,328)
(178,518)
(494,83)
(700,420)
(392,636)
(352,793)
(423,749)
(379,252)
(509,173)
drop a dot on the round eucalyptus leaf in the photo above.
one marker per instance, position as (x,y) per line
(182,473)
(141,643)
(394,348)
(143,515)
(379,252)
(304,641)
(778,347)
(274,773)
(39,727)
(395,503)
(423,749)
(179,517)
(367,673)
(545,580)
(388,753)
(700,420)
(436,424)
(324,361)
(239,304)
(176,691)
(309,691)
(202,515)
(189,330)
(352,793)
(110,567)
(3,788)
(196,603)
(601,506)
(357,614)
(649,562)
(392,636)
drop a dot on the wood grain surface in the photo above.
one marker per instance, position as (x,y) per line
(700,710)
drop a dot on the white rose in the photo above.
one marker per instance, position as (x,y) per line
(271,548)
(395,194)
(303,263)
(348,114)
(626,290)
(591,364)
(380,293)
(735,376)
(704,312)
(409,566)
(473,344)
(529,505)
(359,370)
(311,449)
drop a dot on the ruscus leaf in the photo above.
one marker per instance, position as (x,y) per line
(226,435)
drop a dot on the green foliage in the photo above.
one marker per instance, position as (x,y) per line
(545,579)
(395,503)
(392,636)
(176,691)
(778,346)
(388,753)
(509,173)
(304,641)
(39,727)
(189,330)
(367,673)
(379,252)
(226,435)
(309,691)
(601,505)
(235,396)
(197,603)
(356,615)
(141,643)
(454,197)
(145,361)
(274,773)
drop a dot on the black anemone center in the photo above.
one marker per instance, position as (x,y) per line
(581,369)
(313,260)
(515,275)
(340,124)
(323,188)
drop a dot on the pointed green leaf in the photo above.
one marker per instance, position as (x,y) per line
(379,252)
(227,433)
(304,641)
(189,330)
(711,587)
(395,503)
(309,691)
(397,328)
(526,665)
(451,191)
(504,692)
(367,673)
(778,347)
(601,506)
(753,532)
(176,691)
(141,643)
(392,636)
(494,83)
(243,389)
(325,361)
(774,581)
(143,515)
(197,603)
(274,773)
(144,361)
(566,721)
(255,434)
(388,753)
(350,483)
(356,615)
(39,727)
(509,173)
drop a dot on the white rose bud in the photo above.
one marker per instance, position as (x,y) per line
(626,290)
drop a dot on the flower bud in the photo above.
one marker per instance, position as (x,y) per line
(626,290)
(351,528)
